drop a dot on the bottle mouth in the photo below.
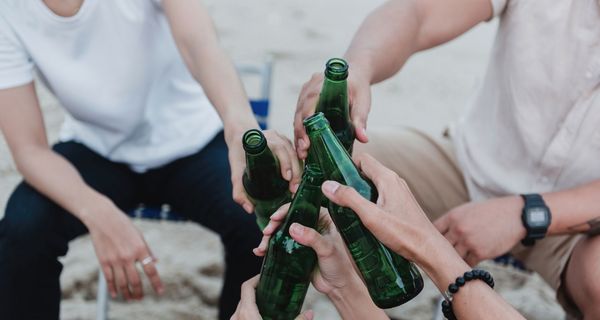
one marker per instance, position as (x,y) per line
(254,141)
(315,122)
(336,69)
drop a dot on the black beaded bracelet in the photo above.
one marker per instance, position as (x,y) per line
(475,274)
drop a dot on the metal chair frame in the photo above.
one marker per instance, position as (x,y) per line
(260,107)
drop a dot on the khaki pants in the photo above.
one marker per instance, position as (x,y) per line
(429,166)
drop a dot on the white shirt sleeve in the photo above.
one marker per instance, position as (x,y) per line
(16,66)
(498,7)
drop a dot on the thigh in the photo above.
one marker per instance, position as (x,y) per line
(427,164)
(199,187)
(549,257)
(31,215)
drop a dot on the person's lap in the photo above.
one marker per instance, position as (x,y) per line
(430,169)
(35,231)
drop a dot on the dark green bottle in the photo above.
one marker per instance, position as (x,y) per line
(287,266)
(333,101)
(263,182)
(390,279)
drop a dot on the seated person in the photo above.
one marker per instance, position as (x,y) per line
(530,139)
(397,221)
(154,110)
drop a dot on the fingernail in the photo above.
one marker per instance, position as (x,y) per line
(247,208)
(309,314)
(297,229)
(295,187)
(330,187)
(288,175)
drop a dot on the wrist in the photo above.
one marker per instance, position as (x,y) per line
(234,128)
(93,209)
(361,69)
(353,301)
(440,252)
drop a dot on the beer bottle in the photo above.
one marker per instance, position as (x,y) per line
(391,279)
(333,101)
(287,266)
(262,180)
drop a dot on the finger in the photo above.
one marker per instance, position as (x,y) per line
(110,280)
(382,177)
(134,281)
(311,238)
(360,105)
(261,250)
(248,294)
(285,161)
(471,259)
(306,315)
(121,282)
(240,197)
(462,250)
(295,163)
(442,224)
(152,275)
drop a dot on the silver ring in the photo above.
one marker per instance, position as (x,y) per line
(147,260)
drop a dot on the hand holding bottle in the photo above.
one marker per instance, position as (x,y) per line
(335,276)
(283,150)
(247,309)
(359,96)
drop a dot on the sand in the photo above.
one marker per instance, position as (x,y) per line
(431,92)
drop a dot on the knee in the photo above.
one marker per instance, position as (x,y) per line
(28,221)
(582,278)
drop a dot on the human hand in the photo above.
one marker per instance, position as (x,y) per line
(335,270)
(247,309)
(281,147)
(359,94)
(483,230)
(396,219)
(119,246)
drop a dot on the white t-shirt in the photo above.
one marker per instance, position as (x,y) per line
(115,68)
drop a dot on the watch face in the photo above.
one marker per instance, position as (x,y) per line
(537,217)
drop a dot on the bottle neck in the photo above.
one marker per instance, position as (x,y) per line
(333,102)
(306,204)
(333,158)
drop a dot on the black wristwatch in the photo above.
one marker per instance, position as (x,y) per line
(536,218)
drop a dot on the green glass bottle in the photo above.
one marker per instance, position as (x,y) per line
(264,185)
(287,266)
(333,101)
(390,279)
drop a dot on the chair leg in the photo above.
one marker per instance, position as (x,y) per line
(102,298)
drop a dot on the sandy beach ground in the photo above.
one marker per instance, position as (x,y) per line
(430,93)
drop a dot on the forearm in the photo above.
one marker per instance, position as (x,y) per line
(475,300)
(54,177)
(400,28)
(575,210)
(208,63)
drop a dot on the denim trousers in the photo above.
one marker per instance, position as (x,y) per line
(35,231)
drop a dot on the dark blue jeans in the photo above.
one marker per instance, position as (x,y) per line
(35,231)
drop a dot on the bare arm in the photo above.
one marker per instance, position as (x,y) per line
(118,244)
(197,41)
(575,210)
(399,222)
(381,46)
(400,28)
(23,127)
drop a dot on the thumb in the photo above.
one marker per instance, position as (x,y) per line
(359,113)
(306,315)
(347,197)
(442,224)
(311,238)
